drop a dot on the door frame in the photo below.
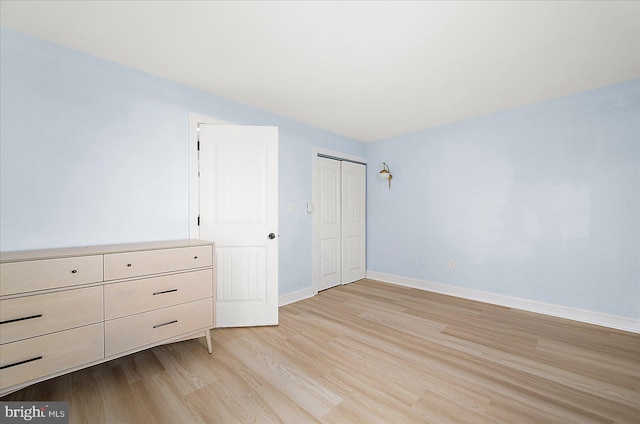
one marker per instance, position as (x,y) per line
(314,227)
(196,119)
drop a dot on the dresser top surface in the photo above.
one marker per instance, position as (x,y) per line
(26,255)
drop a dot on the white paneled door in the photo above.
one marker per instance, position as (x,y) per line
(353,221)
(328,223)
(238,194)
(340,222)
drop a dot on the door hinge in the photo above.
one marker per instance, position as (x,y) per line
(198,220)
(198,145)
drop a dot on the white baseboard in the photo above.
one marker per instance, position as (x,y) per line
(296,296)
(582,315)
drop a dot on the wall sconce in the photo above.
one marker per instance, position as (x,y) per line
(385,174)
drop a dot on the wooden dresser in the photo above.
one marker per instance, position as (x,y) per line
(66,309)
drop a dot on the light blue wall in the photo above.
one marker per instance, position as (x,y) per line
(540,202)
(92,152)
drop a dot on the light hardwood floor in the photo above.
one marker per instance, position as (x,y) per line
(371,352)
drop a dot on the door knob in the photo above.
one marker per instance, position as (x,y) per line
(271,236)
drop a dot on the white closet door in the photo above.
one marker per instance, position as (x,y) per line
(328,223)
(353,221)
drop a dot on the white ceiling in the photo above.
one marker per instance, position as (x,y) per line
(367,70)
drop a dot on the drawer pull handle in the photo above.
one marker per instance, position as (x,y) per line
(195,257)
(20,319)
(165,291)
(129,265)
(166,323)
(73,271)
(21,362)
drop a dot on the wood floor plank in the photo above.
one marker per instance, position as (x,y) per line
(188,371)
(136,367)
(365,398)
(311,395)
(162,400)
(370,352)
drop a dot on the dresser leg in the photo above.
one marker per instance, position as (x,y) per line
(207,334)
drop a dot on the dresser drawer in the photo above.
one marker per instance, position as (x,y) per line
(40,356)
(131,297)
(26,276)
(31,316)
(140,330)
(133,264)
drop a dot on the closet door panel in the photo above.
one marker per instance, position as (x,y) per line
(353,222)
(328,223)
